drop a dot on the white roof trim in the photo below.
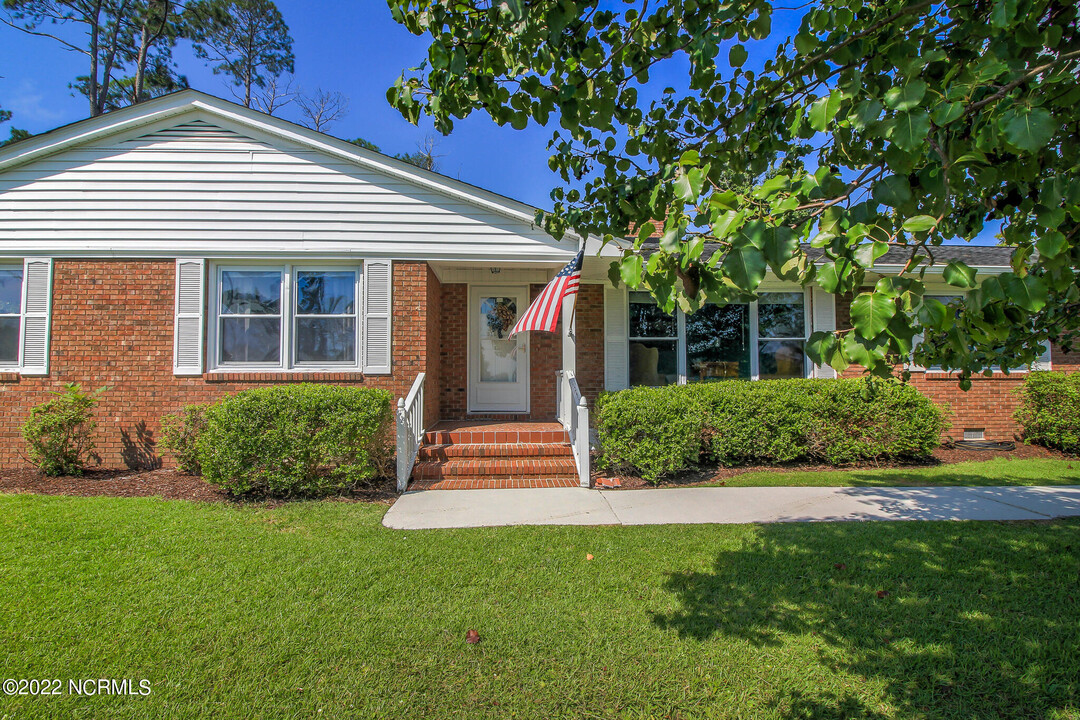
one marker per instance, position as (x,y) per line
(186,101)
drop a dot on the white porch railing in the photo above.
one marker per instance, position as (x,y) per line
(410,431)
(573,413)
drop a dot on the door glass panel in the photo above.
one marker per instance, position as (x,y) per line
(498,353)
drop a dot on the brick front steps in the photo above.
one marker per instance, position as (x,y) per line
(491,454)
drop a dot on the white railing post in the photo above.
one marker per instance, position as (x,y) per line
(403,468)
(582,441)
(410,431)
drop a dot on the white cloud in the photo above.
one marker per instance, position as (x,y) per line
(29,107)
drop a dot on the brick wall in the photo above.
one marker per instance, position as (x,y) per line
(432,350)
(545,359)
(453,360)
(589,329)
(112,325)
(989,404)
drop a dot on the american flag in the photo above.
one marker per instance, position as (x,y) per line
(543,313)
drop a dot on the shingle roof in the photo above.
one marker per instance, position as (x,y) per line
(974,255)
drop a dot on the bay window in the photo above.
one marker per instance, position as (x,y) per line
(765,339)
(287,317)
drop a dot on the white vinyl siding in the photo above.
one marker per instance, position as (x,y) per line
(196,188)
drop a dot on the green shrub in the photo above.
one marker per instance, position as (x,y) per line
(179,433)
(1049,412)
(657,431)
(296,440)
(652,430)
(59,432)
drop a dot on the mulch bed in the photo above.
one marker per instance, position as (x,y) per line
(945,455)
(164,483)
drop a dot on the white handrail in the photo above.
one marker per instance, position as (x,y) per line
(410,431)
(573,414)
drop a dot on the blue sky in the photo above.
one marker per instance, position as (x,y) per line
(351,46)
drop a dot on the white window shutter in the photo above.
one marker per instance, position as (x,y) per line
(37,308)
(378,275)
(616,343)
(1043,361)
(823,319)
(189,325)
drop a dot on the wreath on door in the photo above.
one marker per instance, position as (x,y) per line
(501,317)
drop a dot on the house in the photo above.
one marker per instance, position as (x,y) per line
(187,247)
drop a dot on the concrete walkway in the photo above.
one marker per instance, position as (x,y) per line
(577,506)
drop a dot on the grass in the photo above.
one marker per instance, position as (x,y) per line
(999,471)
(316,610)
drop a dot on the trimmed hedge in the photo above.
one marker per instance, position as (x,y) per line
(1049,412)
(659,431)
(296,440)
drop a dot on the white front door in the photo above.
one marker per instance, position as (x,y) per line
(498,365)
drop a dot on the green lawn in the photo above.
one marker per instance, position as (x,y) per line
(999,471)
(282,613)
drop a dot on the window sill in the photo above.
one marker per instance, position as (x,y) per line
(283,376)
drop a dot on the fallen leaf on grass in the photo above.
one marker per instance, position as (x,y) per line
(472,637)
(589,556)
(882,594)
(840,566)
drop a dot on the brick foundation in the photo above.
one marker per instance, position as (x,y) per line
(112,325)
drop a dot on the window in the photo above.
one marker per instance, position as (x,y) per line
(11,282)
(284,317)
(781,335)
(765,339)
(718,343)
(654,342)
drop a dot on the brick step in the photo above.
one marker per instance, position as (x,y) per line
(495,469)
(480,436)
(508,451)
(493,483)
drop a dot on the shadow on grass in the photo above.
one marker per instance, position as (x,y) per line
(949,619)
(900,478)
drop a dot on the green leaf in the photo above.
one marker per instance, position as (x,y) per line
(919,223)
(781,244)
(669,241)
(868,253)
(1028,130)
(822,111)
(737,56)
(745,266)
(1029,292)
(907,97)
(630,269)
(911,130)
(861,352)
(934,314)
(946,113)
(728,223)
(958,274)
(1051,244)
(821,346)
(893,191)
(690,157)
(871,313)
